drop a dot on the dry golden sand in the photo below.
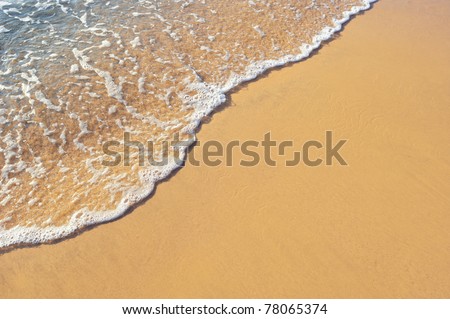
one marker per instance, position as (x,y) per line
(377,228)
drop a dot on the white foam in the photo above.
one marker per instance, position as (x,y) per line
(74,68)
(258,29)
(105,44)
(135,42)
(113,89)
(112,109)
(41,98)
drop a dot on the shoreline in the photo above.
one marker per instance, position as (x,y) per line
(327,35)
(375,229)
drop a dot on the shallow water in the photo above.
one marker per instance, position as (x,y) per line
(74,75)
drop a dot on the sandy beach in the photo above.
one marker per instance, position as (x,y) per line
(377,228)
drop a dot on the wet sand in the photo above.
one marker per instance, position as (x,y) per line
(377,228)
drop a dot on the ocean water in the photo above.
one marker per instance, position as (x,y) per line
(77,74)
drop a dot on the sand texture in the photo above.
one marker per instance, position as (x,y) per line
(377,228)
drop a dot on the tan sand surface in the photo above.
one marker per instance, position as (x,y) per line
(376,228)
